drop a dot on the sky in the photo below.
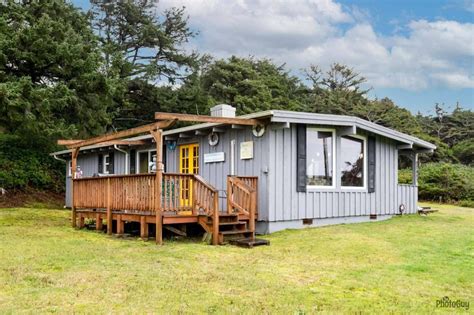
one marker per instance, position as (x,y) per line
(417,52)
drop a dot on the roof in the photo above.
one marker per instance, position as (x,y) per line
(283,116)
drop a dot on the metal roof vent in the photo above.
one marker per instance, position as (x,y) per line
(223,110)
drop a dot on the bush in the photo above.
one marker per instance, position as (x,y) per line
(446,182)
(467,203)
(27,164)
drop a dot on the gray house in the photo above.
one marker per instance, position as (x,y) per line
(312,169)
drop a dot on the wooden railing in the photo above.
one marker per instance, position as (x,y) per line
(242,197)
(136,193)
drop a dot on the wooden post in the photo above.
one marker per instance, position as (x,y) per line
(253,206)
(109,209)
(215,220)
(74,155)
(194,203)
(414,161)
(229,194)
(158,136)
(98,222)
(81,221)
(120,227)
(143,228)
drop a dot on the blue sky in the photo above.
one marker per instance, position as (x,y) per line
(415,52)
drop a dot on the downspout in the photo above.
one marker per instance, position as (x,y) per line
(126,157)
(59,159)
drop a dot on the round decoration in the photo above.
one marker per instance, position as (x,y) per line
(213,139)
(258,130)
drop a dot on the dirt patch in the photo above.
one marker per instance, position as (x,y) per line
(32,198)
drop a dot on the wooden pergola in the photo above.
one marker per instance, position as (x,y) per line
(164,121)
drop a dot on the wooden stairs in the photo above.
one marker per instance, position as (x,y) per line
(230,227)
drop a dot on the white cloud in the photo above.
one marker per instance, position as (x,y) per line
(304,32)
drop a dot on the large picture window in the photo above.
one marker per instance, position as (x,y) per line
(353,162)
(320,157)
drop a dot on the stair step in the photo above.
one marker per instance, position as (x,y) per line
(233,232)
(249,242)
(226,223)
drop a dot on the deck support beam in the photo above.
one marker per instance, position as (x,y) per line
(109,209)
(98,222)
(215,220)
(158,136)
(74,155)
(143,228)
(120,225)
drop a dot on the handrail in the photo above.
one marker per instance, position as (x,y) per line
(242,199)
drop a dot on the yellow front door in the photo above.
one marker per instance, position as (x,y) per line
(188,164)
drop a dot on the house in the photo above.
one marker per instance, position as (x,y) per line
(305,169)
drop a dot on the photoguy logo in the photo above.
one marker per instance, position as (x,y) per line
(446,302)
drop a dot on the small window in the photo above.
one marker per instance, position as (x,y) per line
(320,144)
(353,162)
(106,164)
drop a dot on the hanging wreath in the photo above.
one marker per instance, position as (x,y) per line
(258,130)
(213,139)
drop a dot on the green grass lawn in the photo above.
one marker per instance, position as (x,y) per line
(401,265)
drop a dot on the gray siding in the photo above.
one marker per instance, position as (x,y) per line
(216,173)
(286,204)
(274,163)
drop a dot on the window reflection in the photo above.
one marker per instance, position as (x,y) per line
(352,159)
(319,158)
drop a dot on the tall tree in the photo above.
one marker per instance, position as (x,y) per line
(143,49)
(338,91)
(49,79)
(251,85)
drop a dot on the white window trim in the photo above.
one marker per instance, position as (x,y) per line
(104,164)
(137,160)
(366,164)
(333,186)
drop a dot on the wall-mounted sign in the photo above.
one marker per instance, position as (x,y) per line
(246,150)
(214,157)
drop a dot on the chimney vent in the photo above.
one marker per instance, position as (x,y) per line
(223,110)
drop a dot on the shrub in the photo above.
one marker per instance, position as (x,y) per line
(24,164)
(467,203)
(446,182)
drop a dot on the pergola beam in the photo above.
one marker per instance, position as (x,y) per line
(208,119)
(124,133)
(113,142)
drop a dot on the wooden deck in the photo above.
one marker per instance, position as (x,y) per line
(185,199)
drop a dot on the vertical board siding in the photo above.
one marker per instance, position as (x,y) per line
(408,195)
(285,203)
(216,173)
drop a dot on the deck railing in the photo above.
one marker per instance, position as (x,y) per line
(136,193)
(242,197)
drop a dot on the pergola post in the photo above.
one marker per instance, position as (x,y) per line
(158,136)
(414,168)
(74,155)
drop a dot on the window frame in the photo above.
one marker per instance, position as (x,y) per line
(105,164)
(137,160)
(334,154)
(366,164)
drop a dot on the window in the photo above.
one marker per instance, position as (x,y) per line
(320,159)
(146,161)
(106,164)
(353,157)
